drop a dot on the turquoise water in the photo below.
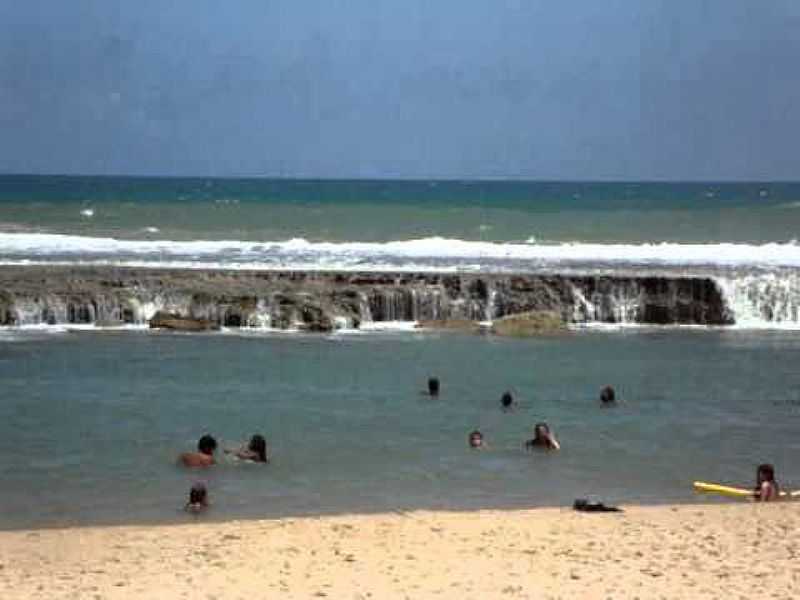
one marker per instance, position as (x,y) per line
(379,211)
(91,423)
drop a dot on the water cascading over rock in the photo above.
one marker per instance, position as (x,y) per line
(319,301)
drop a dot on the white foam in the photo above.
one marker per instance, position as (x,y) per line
(388,326)
(766,300)
(300,253)
(67,327)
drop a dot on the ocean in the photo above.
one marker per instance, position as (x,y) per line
(92,418)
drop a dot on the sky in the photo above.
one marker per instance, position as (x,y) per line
(618,89)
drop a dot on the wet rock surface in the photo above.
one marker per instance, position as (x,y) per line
(324,301)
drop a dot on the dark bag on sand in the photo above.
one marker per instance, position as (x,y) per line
(584,505)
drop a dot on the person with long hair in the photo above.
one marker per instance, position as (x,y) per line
(542,438)
(256,450)
(767,488)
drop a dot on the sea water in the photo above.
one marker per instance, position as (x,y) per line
(91,424)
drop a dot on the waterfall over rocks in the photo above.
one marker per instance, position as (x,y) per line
(322,301)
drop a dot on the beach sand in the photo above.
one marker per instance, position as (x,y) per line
(688,551)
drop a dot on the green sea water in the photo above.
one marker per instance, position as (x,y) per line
(378,211)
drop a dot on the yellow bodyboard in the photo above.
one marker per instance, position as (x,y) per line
(734,492)
(725,490)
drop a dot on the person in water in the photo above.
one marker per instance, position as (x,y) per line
(433,386)
(198,499)
(767,488)
(256,450)
(204,457)
(507,401)
(542,438)
(476,440)
(608,396)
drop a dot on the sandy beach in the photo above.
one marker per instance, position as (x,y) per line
(690,551)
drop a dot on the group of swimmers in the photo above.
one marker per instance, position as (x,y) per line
(254,451)
(766,488)
(542,436)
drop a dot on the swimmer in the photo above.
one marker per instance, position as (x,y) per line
(608,396)
(204,457)
(198,499)
(542,438)
(767,488)
(507,401)
(256,450)
(476,440)
(433,386)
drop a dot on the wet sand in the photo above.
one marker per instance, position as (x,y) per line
(688,551)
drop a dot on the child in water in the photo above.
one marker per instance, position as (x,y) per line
(767,488)
(608,397)
(542,438)
(476,440)
(198,499)
(255,451)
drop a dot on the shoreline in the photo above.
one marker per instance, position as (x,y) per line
(668,551)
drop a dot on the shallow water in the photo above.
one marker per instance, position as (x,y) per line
(91,423)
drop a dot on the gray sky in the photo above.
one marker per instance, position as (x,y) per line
(612,89)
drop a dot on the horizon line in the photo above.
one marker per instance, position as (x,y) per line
(410,179)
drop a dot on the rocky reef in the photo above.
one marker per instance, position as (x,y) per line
(323,301)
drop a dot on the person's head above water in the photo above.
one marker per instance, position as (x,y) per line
(475,439)
(506,400)
(433,386)
(608,395)
(258,445)
(198,494)
(198,498)
(207,445)
(543,438)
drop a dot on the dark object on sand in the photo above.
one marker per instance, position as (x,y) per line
(584,505)
(433,386)
(608,395)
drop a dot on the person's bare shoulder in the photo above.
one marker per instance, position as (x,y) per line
(196,459)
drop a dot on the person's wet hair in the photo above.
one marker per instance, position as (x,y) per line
(506,400)
(543,427)
(765,472)
(258,445)
(608,395)
(198,494)
(433,386)
(207,444)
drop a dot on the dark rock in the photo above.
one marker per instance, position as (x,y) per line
(165,320)
(316,301)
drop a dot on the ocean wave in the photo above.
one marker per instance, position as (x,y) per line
(426,252)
